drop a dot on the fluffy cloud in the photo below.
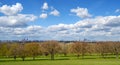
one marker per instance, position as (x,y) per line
(81,12)
(43,15)
(92,27)
(20,33)
(114,21)
(11,10)
(13,18)
(55,12)
(98,28)
(45,6)
(18,20)
(46,9)
(27,30)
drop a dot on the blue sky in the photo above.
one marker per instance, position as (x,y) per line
(60,19)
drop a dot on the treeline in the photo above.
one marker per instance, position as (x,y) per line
(23,50)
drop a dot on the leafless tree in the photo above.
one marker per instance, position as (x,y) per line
(51,47)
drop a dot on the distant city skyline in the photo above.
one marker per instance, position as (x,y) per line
(60,20)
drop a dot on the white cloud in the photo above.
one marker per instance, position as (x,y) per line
(51,11)
(45,6)
(117,10)
(91,27)
(28,30)
(55,12)
(81,12)
(13,18)
(18,20)
(98,28)
(20,33)
(43,15)
(11,10)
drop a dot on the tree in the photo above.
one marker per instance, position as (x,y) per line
(90,49)
(51,47)
(76,48)
(64,49)
(4,49)
(103,48)
(84,48)
(14,50)
(32,49)
(79,48)
(22,51)
(115,46)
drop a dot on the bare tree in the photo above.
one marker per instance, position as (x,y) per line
(103,48)
(22,51)
(32,49)
(51,47)
(115,47)
(79,48)
(90,48)
(64,48)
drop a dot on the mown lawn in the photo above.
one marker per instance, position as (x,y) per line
(65,62)
(89,60)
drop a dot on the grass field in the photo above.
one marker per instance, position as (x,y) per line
(89,60)
(65,62)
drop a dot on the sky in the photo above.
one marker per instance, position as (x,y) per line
(60,20)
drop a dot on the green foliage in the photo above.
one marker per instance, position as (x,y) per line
(4,48)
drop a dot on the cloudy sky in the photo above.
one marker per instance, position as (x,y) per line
(60,19)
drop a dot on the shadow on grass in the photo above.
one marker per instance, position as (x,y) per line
(32,60)
(108,57)
(88,58)
(48,59)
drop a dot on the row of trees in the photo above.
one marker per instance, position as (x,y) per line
(100,48)
(33,49)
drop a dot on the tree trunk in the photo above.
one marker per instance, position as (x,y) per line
(52,54)
(117,55)
(65,54)
(82,55)
(103,56)
(23,58)
(78,56)
(33,57)
(15,57)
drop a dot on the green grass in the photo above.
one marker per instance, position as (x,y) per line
(61,60)
(65,62)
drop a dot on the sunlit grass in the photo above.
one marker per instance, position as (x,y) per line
(65,62)
(62,60)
